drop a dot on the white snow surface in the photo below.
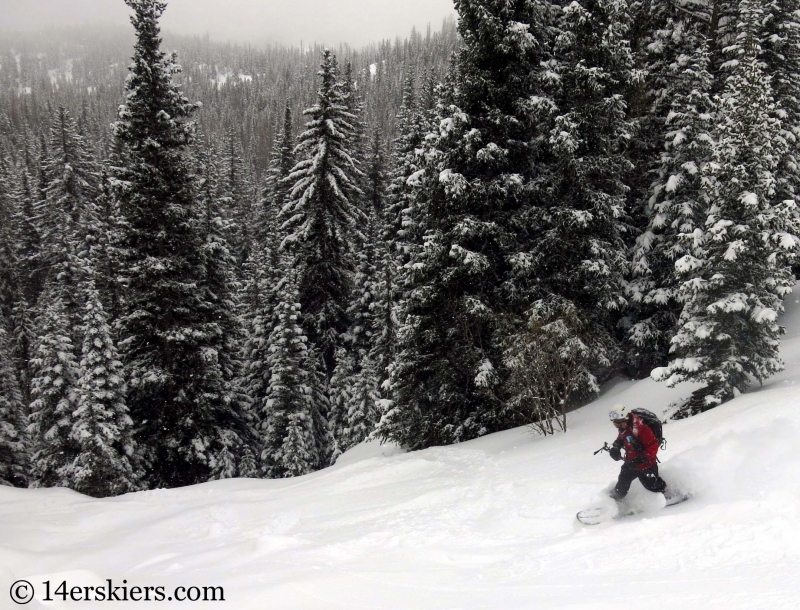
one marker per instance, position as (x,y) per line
(487,524)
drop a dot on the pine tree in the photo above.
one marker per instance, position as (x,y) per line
(8,251)
(248,464)
(739,271)
(101,429)
(220,286)
(322,214)
(292,414)
(73,175)
(354,384)
(55,396)
(238,203)
(448,378)
(678,199)
(67,213)
(358,144)
(577,250)
(13,450)
(262,270)
(278,189)
(172,338)
(384,280)
(780,41)
(357,378)
(401,224)
(22,331)
(264,274)
(103,244)
(29,243)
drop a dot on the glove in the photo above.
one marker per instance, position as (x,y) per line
(615,454)
(617,444)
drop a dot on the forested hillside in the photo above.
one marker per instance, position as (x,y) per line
(242,262)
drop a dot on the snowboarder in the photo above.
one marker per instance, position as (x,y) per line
(640,436)
(641,447)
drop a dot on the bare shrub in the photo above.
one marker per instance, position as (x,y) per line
(550,360)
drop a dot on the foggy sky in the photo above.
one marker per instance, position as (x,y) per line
(356,22)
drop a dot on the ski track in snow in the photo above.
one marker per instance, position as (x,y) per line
(486,524)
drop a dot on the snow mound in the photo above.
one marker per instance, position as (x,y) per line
(485,524)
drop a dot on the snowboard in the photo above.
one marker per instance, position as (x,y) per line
(601,514)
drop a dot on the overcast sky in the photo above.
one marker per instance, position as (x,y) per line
(257,21)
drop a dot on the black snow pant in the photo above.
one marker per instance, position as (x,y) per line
(649,479)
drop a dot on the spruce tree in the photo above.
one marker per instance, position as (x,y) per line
(171,336)
(54,389)
(264,274)
(8,250)
(576,242)
(262,270)
(278,187)
(238,203)
(101,429)
(321,216)
(678,199)
(447,380)
(353,387)
(734,281)
(363,363)
(13,450)
(22,331)
(780,41)
(384,282)
(291,415)
(67,214)
(29,243)
(401,227)
(103,248)
(221,297)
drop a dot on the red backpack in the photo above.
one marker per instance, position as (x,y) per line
(652,421)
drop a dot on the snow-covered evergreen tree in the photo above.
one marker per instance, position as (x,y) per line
(8,250)
(321,217)
(678,197)
(291,416)
(29,242)
(576,250)
(103,248)
(262,271)
(264,274)
(54,389)
(384,282)
(341,398)
(238,202)
(22,331)
(780,40)
(359,139)
(221,295)
(738,271)
(401,226)
(283,162)
(447,379)
(101,427)
(70,193)
(13,449)
(172,339)
(355,381)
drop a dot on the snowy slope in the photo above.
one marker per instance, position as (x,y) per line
(485,524)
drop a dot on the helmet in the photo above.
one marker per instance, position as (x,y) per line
(618,412)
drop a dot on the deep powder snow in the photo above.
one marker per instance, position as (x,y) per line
(485,524)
